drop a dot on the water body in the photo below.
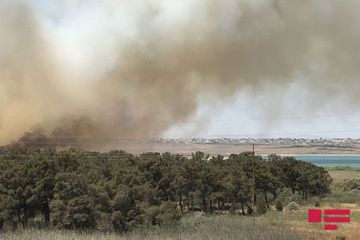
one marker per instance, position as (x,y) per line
(330,160)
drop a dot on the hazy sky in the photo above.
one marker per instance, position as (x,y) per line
(246,117)
(244,114)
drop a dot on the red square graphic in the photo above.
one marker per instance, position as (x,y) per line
(314,215)
(337,211)
(330,227)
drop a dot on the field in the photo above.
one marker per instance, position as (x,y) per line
(340,175)
(228,148)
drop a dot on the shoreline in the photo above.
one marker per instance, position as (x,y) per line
(314,154)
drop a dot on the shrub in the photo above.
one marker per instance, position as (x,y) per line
(316,202)
(279,206)
(261,207)
(165,214)
(295,198)
(118,221)
(340,238)
(232,209)
(293,206)
(168,213)
(286,196)
(349,184)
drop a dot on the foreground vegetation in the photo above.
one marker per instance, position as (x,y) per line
(273,225)
(117,191)
(195,226)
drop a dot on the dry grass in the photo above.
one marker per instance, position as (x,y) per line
(271,226)
(340,175)
(194,227)
(226,149)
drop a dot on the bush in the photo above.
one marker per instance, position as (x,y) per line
(279,206)
(340,238)
(165,214)
(286,196)
(348,185)
(316,202)
(295,198)
(293,206)
(261,207)
(118,221)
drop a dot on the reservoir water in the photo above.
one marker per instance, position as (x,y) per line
(330,160)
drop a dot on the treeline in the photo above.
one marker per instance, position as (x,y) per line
(118,191)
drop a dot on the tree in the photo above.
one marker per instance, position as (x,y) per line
(118,191)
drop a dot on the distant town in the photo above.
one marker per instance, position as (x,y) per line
(262,141)
(284,146)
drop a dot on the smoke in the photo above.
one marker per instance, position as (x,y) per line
(133,69)
(28,79)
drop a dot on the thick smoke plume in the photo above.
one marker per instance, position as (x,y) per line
(143,65)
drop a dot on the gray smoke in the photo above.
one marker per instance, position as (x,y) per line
(151,61)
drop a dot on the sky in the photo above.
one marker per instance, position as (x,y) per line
(244,114)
